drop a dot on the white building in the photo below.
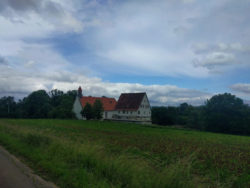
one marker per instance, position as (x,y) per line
(132,107)
(80,102)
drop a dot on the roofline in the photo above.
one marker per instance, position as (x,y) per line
(132,109)
(98,97)
(135,93)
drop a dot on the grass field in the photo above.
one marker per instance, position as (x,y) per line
(75,153)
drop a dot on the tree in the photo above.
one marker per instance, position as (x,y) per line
(87,111)
(8,107)
(227,114)
(37,104)
(97,109)
(55,97)
(164,115)
(62,104)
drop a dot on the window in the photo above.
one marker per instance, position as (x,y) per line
(123,111)
(138,111)
(130,112)
(118,112)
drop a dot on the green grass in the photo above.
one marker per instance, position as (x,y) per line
(75,153)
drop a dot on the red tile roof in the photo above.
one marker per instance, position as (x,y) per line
(108,103)
(129,101)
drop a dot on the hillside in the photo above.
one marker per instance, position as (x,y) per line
(75,153)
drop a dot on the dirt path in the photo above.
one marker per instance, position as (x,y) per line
(14,174)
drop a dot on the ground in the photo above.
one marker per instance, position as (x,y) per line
(15,174)
(75,153)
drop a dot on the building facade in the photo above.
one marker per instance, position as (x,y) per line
(132,107)
(80,102)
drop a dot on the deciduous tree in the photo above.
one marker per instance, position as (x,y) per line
(87,112)
(97,109)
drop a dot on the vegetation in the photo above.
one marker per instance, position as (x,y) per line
(97,109)
(87,111)
(39,104)
(227,113)
(93,112)
(75,153)
(223,113)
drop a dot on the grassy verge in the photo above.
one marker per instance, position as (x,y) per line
(108,154)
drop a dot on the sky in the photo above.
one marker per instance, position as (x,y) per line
(175,50)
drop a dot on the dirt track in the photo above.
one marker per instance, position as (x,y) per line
(14,174)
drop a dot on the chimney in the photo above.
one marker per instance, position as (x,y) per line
(79,92)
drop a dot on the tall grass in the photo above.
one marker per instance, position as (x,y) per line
(101,154)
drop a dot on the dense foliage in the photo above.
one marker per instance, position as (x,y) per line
(93,112)
(39,104)
(97,109)
(223,113)
(87,111)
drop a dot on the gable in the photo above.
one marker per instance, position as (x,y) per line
(108,103)
(129,101)
(145,102)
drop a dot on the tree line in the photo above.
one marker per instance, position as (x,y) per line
(54,104)
(223,113)
(39,104)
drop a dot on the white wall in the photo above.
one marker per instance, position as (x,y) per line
(77,108)
(109,114)
(144,109)
(144,115)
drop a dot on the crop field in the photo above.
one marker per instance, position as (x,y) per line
(75,153)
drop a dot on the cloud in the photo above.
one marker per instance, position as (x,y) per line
(165,37)
(215,59)
(150,38)
(155,38)
(241,88)
(152,59)
(3,61)
(20,84)
(20,5)
(221,57)
(145,38)
(46,13)
(203,48)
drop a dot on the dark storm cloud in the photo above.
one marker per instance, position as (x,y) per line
(8,8)
(20,5)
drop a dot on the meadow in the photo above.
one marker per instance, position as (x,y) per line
(74,153)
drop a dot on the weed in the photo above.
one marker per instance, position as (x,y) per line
(110,154)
